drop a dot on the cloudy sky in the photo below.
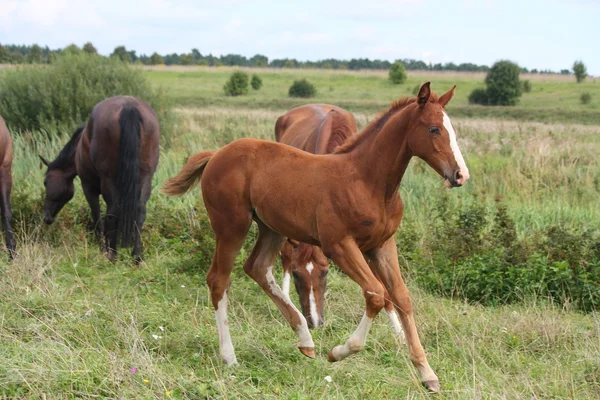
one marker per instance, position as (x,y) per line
(534,33)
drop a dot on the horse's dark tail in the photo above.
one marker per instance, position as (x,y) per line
(128,173)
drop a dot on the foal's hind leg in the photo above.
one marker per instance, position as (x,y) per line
(109,192)
(260,267)
(5,209)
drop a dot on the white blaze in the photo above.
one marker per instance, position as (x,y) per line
(310,267)
(460,161)
(314,315)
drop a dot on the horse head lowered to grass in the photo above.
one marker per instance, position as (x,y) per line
(346,202)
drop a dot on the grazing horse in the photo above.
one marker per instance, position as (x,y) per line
(318,129)
(6,157)
(346,202)
(115,155)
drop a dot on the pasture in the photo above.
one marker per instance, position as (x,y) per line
(73,325)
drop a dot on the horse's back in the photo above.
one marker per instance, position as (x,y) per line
(311,127)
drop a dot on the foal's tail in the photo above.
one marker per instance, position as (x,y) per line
(128,172)
(189,175)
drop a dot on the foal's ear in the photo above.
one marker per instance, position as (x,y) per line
(446,97)
(424,93)
(44,161)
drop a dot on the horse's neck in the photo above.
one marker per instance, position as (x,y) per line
(384,156)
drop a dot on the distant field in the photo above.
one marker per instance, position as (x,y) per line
(554,98)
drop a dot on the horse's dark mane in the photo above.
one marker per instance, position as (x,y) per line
(65,157)
(374,126)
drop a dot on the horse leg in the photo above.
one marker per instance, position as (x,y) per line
(92,195)
(141,218)
(389,308)
(349,258)
(260,267)
(385,261)
(5,209)
(110,195)
(286,261)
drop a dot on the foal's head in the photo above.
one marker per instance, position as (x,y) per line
(432,137)
(310,267)
(59,179)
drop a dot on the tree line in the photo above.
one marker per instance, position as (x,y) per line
(35,54)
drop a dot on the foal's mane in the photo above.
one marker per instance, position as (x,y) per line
(375,126)
(65,157)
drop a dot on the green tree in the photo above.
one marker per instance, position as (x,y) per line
(237,84)
(35,55)
(156,59)
(256,82)
(503,85)
(89,48)
(580,71)
(187,59)
(302,88)
(397,74)
(4,55)
(121,53)
(72,49)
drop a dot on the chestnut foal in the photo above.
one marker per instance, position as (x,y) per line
(346,202)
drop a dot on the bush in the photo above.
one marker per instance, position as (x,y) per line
(416,89)
(397,74)
(580,71)
(62,94)
(585,98)
(237,84)
(526,86)
(503,85)
(302,88)
(478,96)
(256,82)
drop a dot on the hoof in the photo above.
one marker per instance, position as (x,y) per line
(307,351)
(432,386)
(331,357)
(230,361)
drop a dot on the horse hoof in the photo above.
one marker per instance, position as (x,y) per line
(331,357)
(307,351)
(432,386)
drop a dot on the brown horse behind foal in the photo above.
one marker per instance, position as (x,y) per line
(317,129)
(115,155)
(346,202)
(6,157)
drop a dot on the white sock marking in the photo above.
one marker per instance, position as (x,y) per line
(460,161)
(225,345)
(285,284)
(302,329)
(356,342)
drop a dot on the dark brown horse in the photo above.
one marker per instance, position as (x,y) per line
(318,129)
(6,157)
(346,202)
(115,155)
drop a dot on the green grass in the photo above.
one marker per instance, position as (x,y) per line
(550,100)
(72,325)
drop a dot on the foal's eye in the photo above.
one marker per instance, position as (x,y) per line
(434,130)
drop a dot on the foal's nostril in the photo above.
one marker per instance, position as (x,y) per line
(458,176)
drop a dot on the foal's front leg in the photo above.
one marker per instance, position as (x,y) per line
(349,258)
(5,210)
(384,260)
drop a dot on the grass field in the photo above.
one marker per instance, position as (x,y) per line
(72,325)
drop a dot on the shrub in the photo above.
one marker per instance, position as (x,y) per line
(416,89)
(580,71)
(61,95)
(585,98)
(397,74)
(526,86)
(256,82)
(478,96)
(302,88)
(503,85)
(237,84)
